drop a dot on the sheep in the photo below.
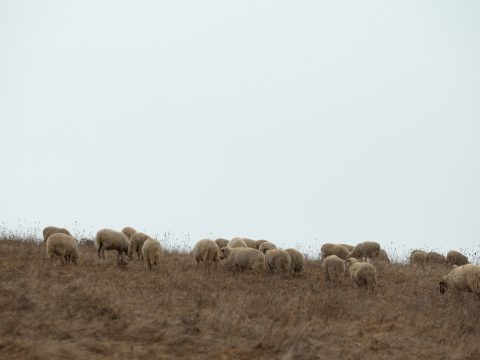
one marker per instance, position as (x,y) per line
(108,239)
(129,231)
(260,242)
(366,249)
(434,258)
(266,246)
(333,249)
(456,258)
(151,251)
(206,251)
(243,258)
(250,243)
(348,247)
(49,230)
(363,274)
(462,278)
(418,257)
(63,245)
(135,244)
(382,257)
(298,260)
(237,242)
(278,260)
(221,242)
(334,268)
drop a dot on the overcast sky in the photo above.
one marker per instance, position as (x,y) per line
(298,122)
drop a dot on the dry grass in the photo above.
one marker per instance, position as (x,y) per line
(101,310)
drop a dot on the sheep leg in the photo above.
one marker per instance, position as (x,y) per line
(99,251)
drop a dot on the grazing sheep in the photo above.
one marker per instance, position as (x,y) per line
(63,245)
(129,231)
(278,261)
(348,247)
(264,247)
(363,274)
(382,257)
(237,242)
(243,258)
(456,258)
(366,249)
(334,268)
(108,239)
(260,242)
(206,251)
(418,257)
(221,242)
(49,230)
(151,251)
(434,258)
(298,260)
(462,278)
(334,249)
(136,243)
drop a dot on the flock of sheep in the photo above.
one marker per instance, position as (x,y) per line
(243,254)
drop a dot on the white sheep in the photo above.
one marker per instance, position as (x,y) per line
(250,243)
(278,260)
(266,246)
(129,231)
(243,258)
(206,251)
(434,258)
(259,242)
(108,239)
(363,274)
(418,257)
(366,249)
(221,242)
(49,230)
(456,258)
(298,260)
(334,249)
(151,251)
(462,278)
(334,268)
(348,247)
(382,257)
(136,243)
(237,242)
(63,245)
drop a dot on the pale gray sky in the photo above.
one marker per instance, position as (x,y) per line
(301,121)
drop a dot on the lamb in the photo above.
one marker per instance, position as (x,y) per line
(63,245)
(366,249)
(151,251)
(363,274)
(334,268)
(243,258)
(136,243)
(278,260)
(456,258)
(221,242)
(108,239)
(418,257)
(237,242)
(434,258)
(49,230)
(297,260)
(266,246)
(348,247)
(462,278)
(206,251)
(260,242)
(129,231)
(333,249)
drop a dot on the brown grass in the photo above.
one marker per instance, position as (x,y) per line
(101,310)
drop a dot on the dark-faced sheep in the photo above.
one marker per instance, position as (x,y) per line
(462,278)
(108,239)
(63,245)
